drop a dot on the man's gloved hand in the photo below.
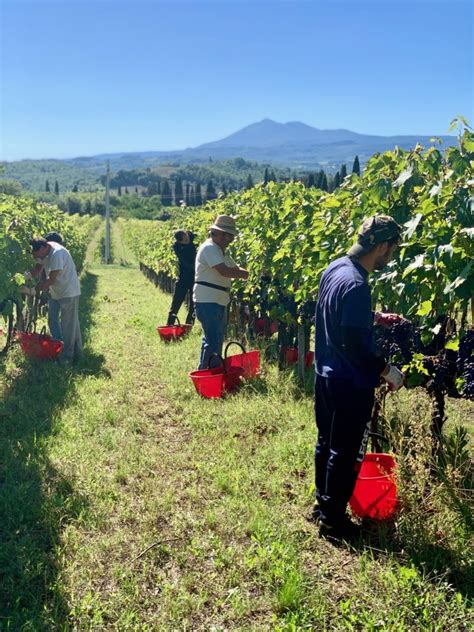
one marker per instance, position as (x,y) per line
(387,320)
(394,377)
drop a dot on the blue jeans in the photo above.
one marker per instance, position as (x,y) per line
(53,319)
(213,320)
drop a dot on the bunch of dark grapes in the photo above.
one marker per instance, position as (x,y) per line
(439,368)
(396,343)
(306,311)
(465,363)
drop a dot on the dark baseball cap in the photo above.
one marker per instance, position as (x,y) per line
(53,236)
(375,230)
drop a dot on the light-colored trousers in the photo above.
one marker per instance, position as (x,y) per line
(70,330)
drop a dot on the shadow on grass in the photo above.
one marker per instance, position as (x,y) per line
(37,501)
(434,560)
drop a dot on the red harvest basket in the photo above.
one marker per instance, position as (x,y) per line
(375,492)
(290,355)
(39,346)
(249,361)
(260,325)
(173,332)
(215,382)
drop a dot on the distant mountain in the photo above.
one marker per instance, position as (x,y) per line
(295,145)
(298,145)
(269,133)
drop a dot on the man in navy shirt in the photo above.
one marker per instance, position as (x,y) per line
(348,370)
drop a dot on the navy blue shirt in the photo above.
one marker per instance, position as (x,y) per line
(343,301)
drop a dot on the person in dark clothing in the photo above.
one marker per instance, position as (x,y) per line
(185,250)
(348,370)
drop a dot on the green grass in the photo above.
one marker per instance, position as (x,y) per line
(130,503)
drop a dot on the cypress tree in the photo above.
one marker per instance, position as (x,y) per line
(119,191)
(266,176)
(166,197)
(75,189)
(356,166)
(249,183)
(310,181)
(337,180)
(343,173)
(192,197)
(46,187)
(178,191)
(187,197)
(324,182)
(210,191)
(126,191)
(136,189)
(272,177)
(56,187)
(198,195)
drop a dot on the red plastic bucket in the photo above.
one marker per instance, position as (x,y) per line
(39,346)
(375,492)
(215,382)
(173,332)
(290,355)
(249,361)
(260,326)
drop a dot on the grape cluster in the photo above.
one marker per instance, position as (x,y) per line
(441,372)
(398,343)
(465,364)
(306,311)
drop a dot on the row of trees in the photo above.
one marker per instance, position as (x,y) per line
(175,193)
(190,191)
(47,187)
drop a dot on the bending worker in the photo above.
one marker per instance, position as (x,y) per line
(63,284)
(214,271)
(348,370)
(185,250)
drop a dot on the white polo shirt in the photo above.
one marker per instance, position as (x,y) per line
(67,282)
(208,256)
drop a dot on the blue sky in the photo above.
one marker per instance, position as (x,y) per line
(84,77)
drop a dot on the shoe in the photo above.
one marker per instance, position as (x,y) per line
(343,530)
(314,515)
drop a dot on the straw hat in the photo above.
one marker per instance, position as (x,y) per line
(226,224)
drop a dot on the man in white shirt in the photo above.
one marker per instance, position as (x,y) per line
(214,271)
(64,287)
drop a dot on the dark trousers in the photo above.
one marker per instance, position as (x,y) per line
(182,287)
(343,414)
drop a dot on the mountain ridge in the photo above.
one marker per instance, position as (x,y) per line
(293,144)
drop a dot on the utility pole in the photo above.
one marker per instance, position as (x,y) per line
(107,215)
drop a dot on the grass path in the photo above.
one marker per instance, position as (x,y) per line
(131,504)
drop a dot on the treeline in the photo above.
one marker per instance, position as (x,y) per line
(151,194)
(176,190)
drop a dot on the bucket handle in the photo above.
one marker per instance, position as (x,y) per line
(234,342)
(216,355)
(177,319)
